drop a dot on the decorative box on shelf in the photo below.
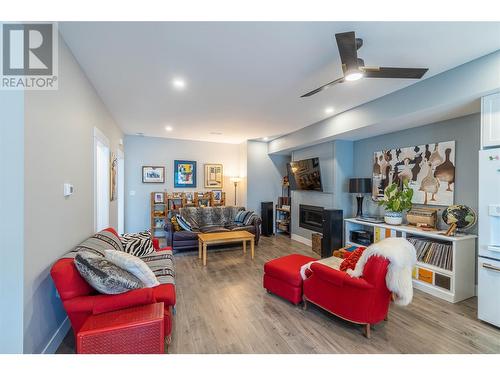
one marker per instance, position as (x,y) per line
(445,264)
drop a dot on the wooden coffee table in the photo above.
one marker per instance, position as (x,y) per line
(205,239)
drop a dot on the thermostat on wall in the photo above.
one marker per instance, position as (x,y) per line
(68,190)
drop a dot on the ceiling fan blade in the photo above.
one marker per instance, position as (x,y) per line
(346,43)
(385,72)
(324,87)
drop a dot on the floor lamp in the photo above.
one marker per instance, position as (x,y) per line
(235,181)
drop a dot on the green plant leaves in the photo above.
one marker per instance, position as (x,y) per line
(396,199)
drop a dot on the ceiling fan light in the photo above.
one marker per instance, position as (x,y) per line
(354,76)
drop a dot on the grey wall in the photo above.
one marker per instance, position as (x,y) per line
(336,163)
(341,160)
(11,220)
(343,169)
(59,148)
(464,130)
(141,151)
(264,175)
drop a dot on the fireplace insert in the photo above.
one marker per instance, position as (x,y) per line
(311,217)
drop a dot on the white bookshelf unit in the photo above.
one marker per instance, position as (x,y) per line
(454,282)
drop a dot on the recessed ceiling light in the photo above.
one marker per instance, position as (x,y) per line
(329,110)
(265,138)
(140,134)
(216,133)
(178,83)
(169,128)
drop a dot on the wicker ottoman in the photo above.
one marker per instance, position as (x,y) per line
(136,330)
(282,276)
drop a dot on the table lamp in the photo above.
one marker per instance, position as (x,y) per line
(360,186)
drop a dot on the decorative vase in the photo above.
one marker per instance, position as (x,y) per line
(393,218)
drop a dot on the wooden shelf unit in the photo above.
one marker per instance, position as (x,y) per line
(175,200)
(282,219)
(452,285)
(158,215)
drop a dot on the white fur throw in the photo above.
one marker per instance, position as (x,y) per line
(332,262)
(402,257)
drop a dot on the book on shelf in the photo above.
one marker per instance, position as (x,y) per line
(434,253)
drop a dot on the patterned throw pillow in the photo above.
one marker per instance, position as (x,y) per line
(104,276)
(184,224)
(175,224)
(351,260)
(99,242)
(244,217)
(138,244)
(135,265)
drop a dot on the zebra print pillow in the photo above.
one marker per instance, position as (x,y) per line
(138,244)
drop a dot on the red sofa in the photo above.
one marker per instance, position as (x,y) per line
(80,300)
(363,300)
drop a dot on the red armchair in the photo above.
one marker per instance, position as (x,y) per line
(363,300)
(80,300)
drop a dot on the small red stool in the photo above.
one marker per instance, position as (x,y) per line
(136,330)
(282,276)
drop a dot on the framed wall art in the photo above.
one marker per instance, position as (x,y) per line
(213,176)
(429,169)
(184,174)
(159,198)
(153,174)
(217,195)
(113,176)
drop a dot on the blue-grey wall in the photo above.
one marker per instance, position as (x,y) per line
(464,130)
(341,160)
(141,151)
(264,175)
(336,163)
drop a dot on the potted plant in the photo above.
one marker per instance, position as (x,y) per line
(396,200)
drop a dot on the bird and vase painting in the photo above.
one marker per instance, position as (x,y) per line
(429,169)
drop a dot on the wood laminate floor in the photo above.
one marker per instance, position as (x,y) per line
(222,308)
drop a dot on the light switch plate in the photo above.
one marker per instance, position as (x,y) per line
(494,209)
(68,189)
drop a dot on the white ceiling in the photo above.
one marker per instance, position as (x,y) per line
(244,79)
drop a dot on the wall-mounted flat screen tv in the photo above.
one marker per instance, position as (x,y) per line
(305,175)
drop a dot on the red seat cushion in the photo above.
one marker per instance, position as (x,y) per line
(287,268)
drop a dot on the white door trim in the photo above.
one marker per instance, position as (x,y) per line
(98,137)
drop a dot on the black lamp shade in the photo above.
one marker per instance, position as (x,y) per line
(360,185)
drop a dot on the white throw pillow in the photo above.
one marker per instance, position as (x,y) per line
(135,265)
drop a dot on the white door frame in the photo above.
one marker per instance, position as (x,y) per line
(98,137)
(121,191)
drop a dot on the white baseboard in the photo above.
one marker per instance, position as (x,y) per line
(305,241)
(57,337)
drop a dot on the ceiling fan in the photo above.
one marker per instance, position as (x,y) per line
(354,68)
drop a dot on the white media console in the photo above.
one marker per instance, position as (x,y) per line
(453,280)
